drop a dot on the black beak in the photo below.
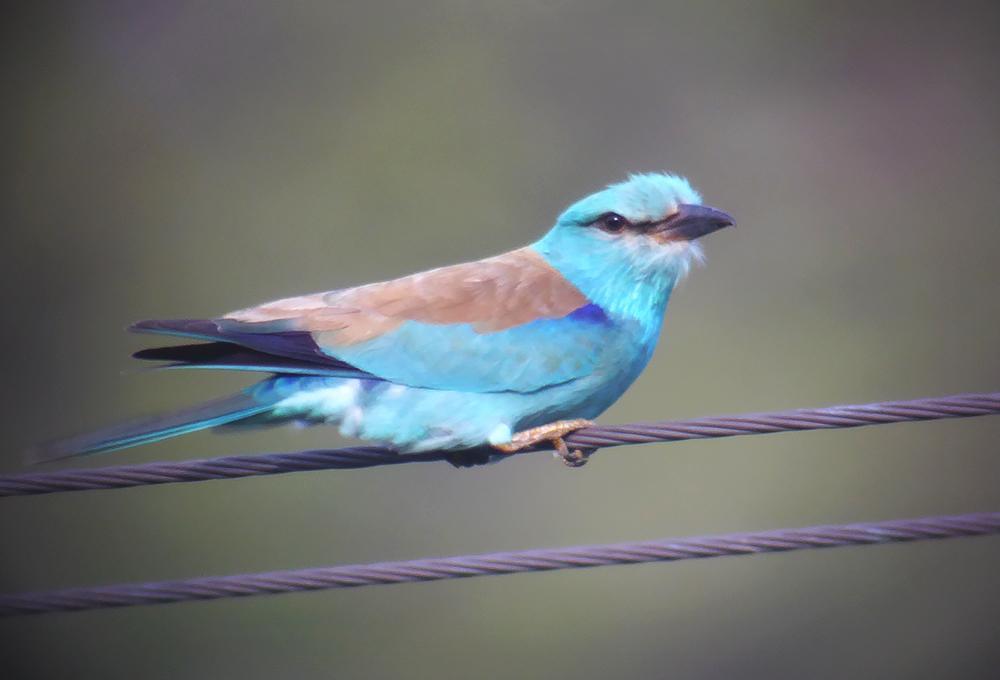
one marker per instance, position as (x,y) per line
(691,222)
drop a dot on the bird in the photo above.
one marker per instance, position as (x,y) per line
(509,352)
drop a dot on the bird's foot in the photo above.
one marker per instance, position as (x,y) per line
(552,433)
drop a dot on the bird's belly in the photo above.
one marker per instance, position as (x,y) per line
(415,419)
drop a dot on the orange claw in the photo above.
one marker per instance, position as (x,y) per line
(553,433)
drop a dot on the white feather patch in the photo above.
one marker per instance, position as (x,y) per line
(327,403)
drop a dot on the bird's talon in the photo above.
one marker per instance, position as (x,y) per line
(575,458)
(552,433)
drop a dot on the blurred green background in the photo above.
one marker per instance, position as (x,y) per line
(185,159)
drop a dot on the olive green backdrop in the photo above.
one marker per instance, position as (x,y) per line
(185,159)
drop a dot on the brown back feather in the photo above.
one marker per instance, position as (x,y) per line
(493,294)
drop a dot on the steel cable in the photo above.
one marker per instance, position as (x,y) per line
(492,564)
(229,467)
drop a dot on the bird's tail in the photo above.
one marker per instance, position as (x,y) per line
(225,411)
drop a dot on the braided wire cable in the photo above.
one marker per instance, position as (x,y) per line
(229,467)
(493,564)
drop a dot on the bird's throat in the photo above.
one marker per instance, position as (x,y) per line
(612,281)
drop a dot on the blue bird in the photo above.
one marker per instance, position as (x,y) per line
(509,351)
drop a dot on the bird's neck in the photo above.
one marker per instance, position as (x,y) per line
(624,284)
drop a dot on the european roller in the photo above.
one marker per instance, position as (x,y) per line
(510,351)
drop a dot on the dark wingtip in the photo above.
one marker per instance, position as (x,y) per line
(147,325)
(230,344)
(176,326)
(140,326)
(201,352)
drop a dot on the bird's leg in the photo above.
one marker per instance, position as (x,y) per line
(553,433)
(574,458)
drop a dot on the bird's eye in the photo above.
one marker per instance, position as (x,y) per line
(612,223)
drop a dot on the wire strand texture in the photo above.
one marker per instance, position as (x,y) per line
(230,467)
(493,564)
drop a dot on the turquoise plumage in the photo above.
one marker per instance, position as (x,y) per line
(506,351)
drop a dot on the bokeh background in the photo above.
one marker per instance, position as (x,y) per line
(184,159)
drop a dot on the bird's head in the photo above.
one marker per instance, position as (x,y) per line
(650,221)
(626,246)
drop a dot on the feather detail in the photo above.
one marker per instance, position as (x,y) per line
(155,428)
(298,346)
(227,356)
(491,295)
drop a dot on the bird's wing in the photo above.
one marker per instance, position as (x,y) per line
(508,323)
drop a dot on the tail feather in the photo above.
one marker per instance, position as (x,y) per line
(156,428)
